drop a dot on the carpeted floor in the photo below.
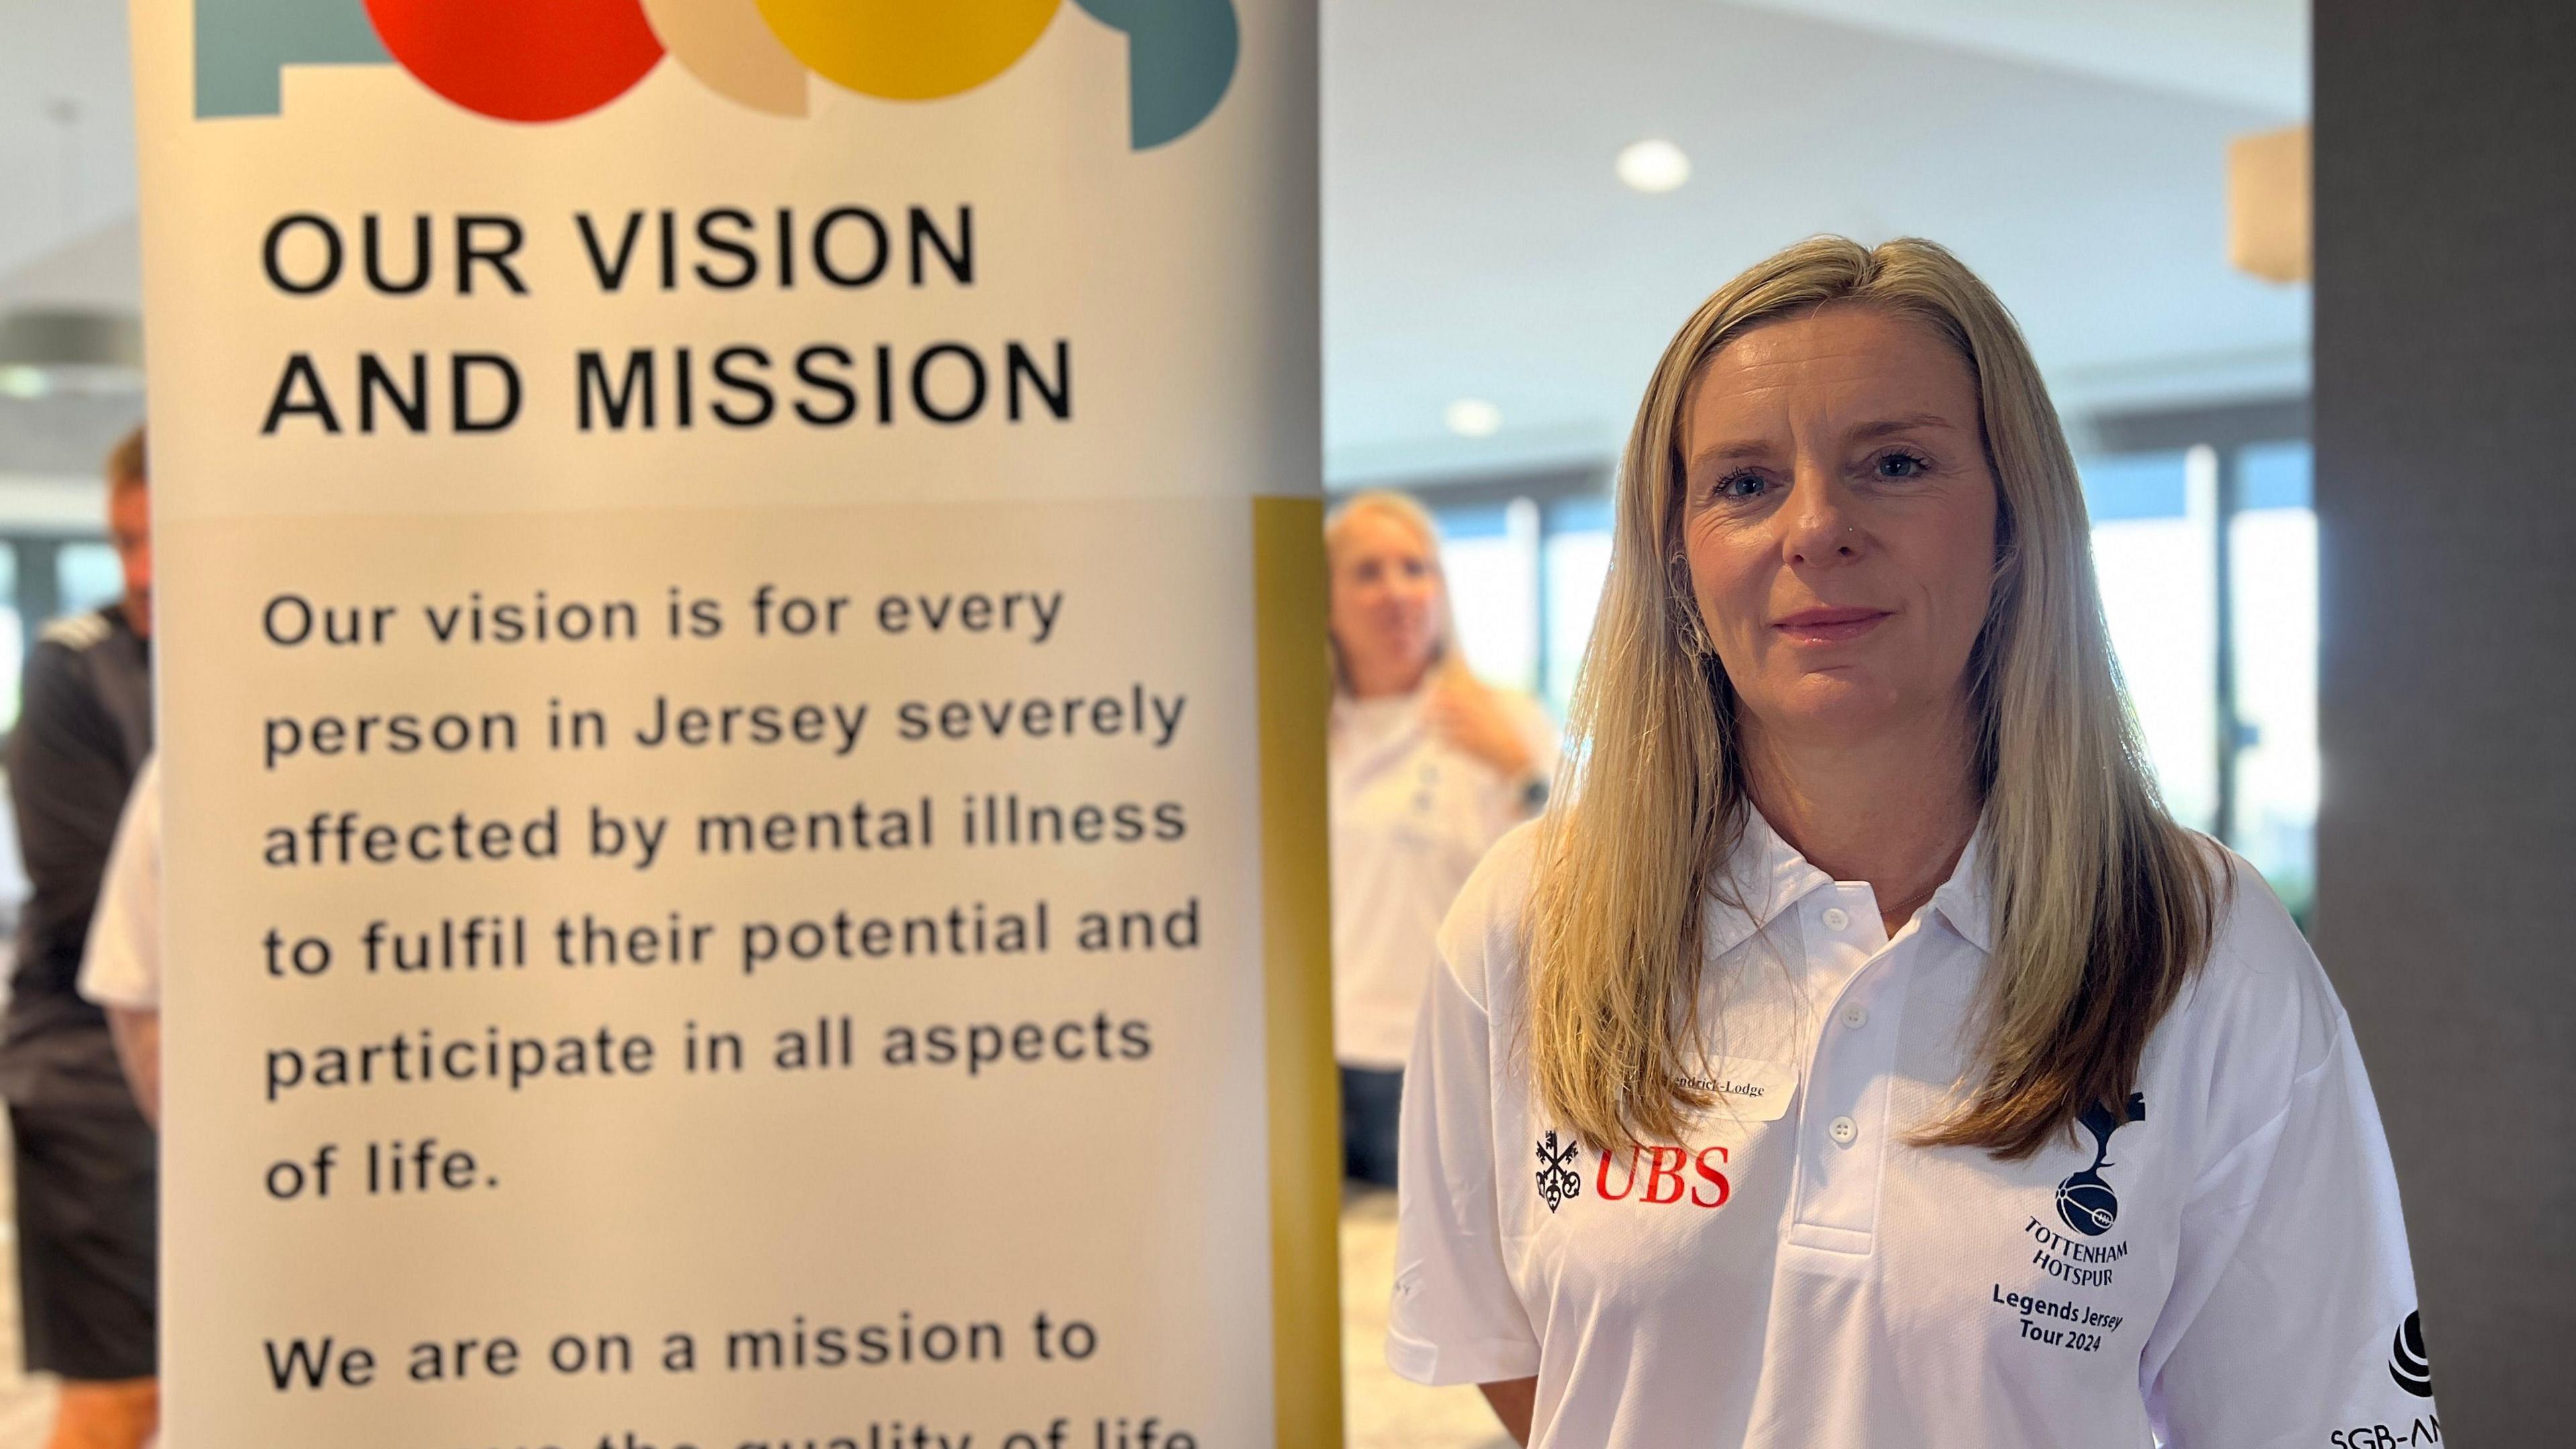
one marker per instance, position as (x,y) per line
(1383,1411)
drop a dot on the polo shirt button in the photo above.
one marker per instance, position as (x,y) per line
(1836,918)
(1855,1016)
(1844,1130)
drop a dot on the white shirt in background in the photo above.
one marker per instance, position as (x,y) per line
(1411,816)
(2228,1271)
(121,965)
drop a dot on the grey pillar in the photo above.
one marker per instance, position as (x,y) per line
(2446,499)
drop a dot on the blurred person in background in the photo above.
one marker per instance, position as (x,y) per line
(85,1158)
(1859,1055)
(1428,767)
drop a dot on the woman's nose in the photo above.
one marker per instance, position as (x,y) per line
(1821,528)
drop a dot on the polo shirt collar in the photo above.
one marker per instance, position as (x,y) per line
(1769,876)
(1963,899)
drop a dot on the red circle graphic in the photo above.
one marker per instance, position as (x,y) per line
(520,60)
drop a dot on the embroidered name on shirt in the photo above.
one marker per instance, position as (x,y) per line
(1743,1091)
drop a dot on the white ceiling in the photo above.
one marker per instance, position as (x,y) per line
(66,128)
(1477,244)
(2249,52)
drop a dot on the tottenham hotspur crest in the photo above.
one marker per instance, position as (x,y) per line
(1556,1181)
(2084,1200)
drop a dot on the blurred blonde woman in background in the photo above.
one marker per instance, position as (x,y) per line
(1428,768)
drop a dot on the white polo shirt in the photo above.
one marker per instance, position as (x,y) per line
(2228,1271)
(1411,816)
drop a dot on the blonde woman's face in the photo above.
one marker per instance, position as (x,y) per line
(1839,520)
(1386,601)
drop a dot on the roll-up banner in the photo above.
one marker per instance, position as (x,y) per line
(742,663)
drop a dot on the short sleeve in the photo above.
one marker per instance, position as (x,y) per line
(122,965)
(1456,1318)
(2292,1311)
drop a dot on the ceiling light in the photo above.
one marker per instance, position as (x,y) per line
(1473,417)
(1654,165)
(2270,205)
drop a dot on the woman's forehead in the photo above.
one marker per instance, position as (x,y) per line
(1376,530)
(1836,367)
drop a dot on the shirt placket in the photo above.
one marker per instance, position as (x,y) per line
(1845,1122)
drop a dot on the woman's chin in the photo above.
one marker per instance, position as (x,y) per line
(1838,704)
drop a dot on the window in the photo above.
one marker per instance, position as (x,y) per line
(13,640)
(1577,555)
(2232,731)
(1490,554)
(86,575)
(2158,572)
(44,576)
(2272,580)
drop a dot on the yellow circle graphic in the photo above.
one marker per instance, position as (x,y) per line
(908,50)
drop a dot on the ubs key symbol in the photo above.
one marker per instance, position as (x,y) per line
(2085,1201)
(1557,1182)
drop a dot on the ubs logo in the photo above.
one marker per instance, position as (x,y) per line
(2406,1361)
(2084,1201)
(1556,1181)
(1656,1176)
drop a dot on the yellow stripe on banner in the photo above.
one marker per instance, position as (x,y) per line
(1288,590)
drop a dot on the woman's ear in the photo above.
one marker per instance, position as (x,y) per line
(1691,629)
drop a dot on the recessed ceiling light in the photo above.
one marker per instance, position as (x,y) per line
(1473,417)
(1654,165)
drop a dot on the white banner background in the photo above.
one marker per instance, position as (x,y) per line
(1117,1164)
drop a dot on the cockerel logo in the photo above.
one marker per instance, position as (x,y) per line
(2084,1201)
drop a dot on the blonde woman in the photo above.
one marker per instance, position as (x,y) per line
(1858,1055)
(1428,767)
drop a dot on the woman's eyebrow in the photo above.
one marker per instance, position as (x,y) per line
(1910,422)
(1745,448)
(1730,452)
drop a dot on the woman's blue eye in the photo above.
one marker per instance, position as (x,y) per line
(1739,485)
(1902,465)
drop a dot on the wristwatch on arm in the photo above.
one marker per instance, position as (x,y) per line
(1532,791)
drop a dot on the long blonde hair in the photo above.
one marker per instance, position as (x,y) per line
(2102,907)
(1412,516)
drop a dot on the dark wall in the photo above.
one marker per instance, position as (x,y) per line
(2446,500)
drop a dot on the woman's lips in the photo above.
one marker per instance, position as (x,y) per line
(1829,626)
